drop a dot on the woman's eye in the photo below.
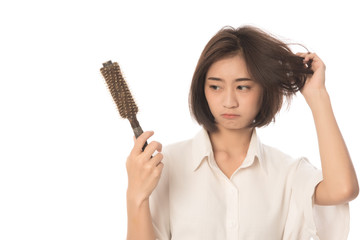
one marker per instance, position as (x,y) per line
(214,87)
(243,87)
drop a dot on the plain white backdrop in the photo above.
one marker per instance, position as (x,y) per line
(63,145)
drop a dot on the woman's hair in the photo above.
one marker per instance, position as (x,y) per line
(270,63)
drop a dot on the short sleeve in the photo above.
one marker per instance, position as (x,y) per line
(307,220)
(159,203)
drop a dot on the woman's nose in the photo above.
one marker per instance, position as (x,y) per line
(230,100)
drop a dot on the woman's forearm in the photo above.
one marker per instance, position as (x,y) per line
(139,220)
(340,181)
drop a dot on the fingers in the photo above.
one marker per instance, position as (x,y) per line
(311,59)
(140,141)
(307,56)
(156,160)
(149,150)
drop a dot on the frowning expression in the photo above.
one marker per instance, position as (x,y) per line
(233,97)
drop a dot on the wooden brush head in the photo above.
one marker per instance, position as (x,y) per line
(119,90)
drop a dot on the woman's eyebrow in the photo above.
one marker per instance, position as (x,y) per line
(236,80)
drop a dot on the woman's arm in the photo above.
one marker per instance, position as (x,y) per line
(139,220)
(340,183)
(144,173)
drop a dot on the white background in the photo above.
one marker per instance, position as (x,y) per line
(63,145)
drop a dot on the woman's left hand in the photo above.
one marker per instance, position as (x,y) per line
(315,83)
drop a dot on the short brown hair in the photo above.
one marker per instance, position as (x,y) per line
(270,62)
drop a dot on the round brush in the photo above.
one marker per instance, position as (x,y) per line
(121,95)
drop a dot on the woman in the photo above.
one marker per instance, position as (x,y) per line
(224,183)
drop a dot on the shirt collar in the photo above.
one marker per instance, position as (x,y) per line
(202,150)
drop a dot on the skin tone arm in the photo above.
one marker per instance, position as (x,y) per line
(340,183)
(143,176)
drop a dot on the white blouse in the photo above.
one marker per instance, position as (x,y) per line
(270,196)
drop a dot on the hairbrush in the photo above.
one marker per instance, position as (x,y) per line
(122,96)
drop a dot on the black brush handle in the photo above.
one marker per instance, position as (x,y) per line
(137,129)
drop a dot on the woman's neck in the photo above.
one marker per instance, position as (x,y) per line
(232,142)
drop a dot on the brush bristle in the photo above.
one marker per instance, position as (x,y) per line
(119,90)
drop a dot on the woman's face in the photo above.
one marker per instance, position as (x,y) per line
(234,98)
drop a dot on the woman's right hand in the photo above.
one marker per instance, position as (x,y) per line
(143,170)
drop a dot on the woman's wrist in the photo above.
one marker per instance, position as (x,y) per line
(134,199)
(317,98)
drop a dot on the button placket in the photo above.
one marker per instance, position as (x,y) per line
(232,211)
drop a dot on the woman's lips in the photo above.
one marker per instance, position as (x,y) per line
(229,116)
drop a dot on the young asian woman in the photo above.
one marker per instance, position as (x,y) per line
(225,183)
